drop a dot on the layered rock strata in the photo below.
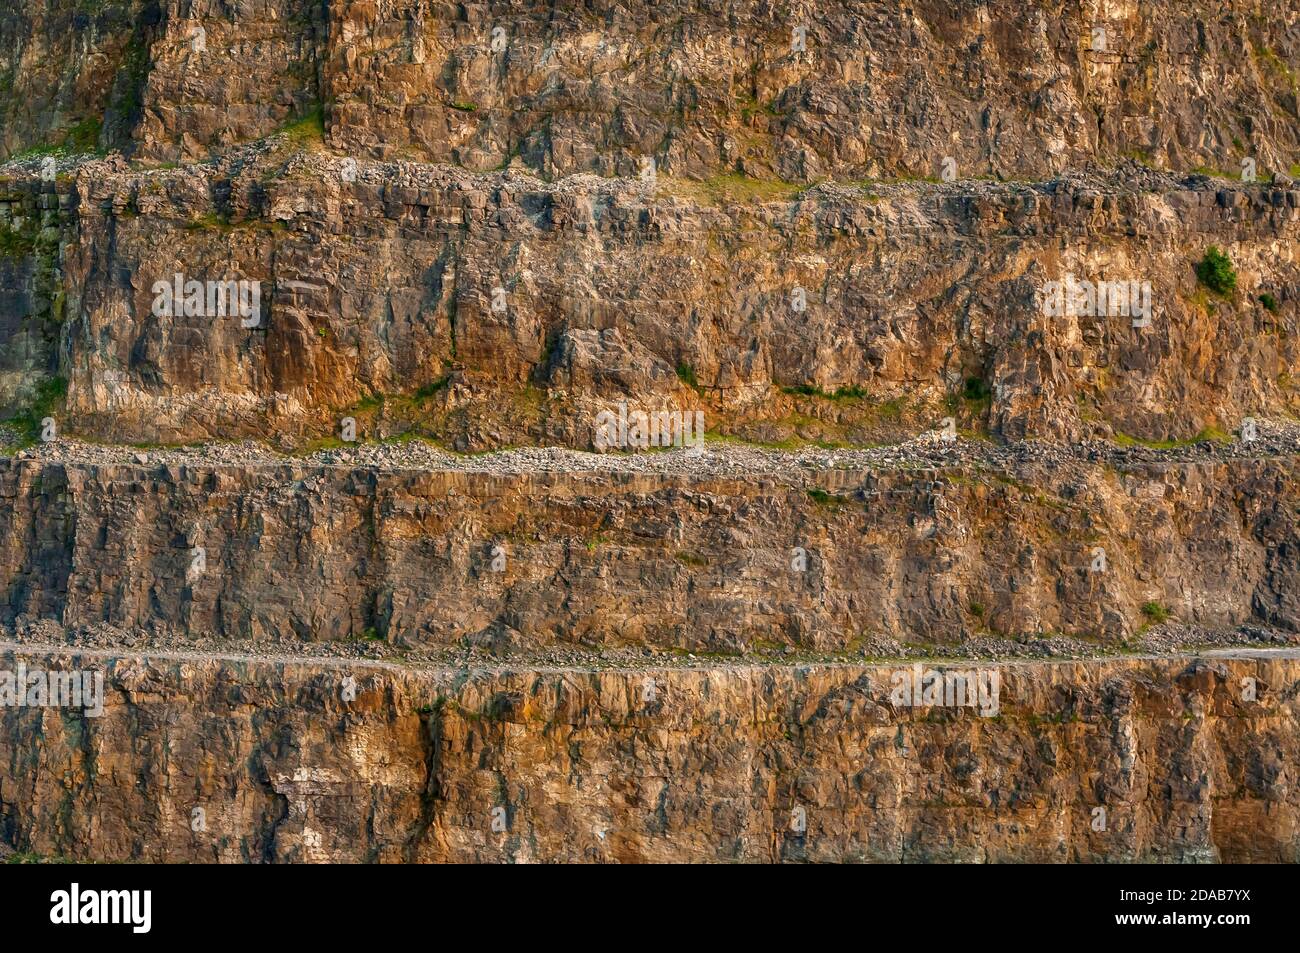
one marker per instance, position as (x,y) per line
(694,552)
(206,759)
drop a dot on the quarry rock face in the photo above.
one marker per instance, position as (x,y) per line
(618,432)
(1116,760)
(515,311)
(1022,89)
(523,301)
(734,563)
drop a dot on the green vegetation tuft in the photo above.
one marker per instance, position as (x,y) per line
(1155,612)
(38,152)
(425,391)
(1140,156)
(1215,271)
(1268,60)
(976,390)
(209,222)
(29,857)
(83,136)
(128,88)
(308,130)
(1269,302)
(47,399)
(15,243)
(853,392)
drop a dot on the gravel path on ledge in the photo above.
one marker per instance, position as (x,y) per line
(717,459)
(1125,177)
(1164,640)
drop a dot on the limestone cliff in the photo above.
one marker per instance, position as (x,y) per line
(1119,760)
(694,554)
(986,318)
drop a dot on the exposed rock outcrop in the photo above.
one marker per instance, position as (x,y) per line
(990,315)
(491,310)
(221,759)
(728,560)
(802,90)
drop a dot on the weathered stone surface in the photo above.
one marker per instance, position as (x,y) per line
(386,286)
(303,552)
(1017,89)
(478,225)
(712,767)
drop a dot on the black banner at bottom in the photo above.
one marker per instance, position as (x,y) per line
(145,904)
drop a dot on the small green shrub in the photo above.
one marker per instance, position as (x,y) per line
(1155,612)
(822,498)
(1215,271)
(1269,302)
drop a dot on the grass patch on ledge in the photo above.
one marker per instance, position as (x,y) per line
(209,222)
(823,498)
(1155,613)
(30,857)
(323,443)
(726,439)
(733,187)
(82,137)
(853,392)
(307,131)
(376,400)
(1206,434)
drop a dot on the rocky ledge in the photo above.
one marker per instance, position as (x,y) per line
(207,757)
(728,550)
